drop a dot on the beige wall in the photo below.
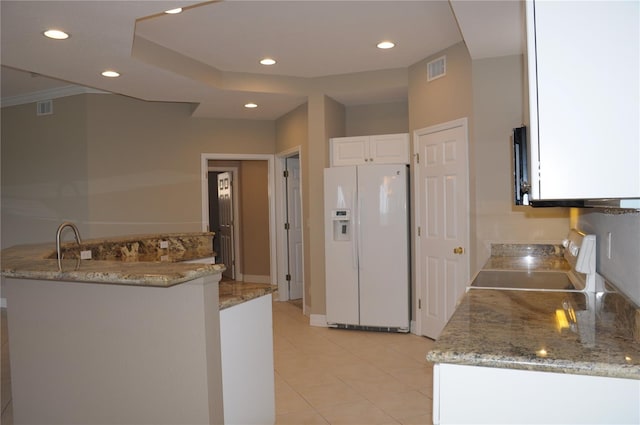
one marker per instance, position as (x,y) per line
(444,99)
(255,218)
(326,120)
(112,164)
(497,109)
(292,129)
(44,170)
(379,118)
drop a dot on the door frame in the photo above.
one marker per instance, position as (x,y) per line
(204,169)
(283,290)
(461,122)
(236,217)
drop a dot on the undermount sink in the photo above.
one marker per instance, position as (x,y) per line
(523,280)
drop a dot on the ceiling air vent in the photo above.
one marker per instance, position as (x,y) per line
(44,108)
(437,68)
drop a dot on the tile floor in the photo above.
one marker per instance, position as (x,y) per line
(330,376)
(333,376)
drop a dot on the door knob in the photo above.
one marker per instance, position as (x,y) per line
(458,250)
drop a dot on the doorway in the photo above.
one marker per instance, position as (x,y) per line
(249,251)
(290,234)
(228,253)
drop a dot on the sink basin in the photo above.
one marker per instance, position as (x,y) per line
(523,280)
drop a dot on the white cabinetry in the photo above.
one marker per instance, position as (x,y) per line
(584,99)
(378,149)
(471,394)
(246,339)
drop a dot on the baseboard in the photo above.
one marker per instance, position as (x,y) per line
(256,278)
(318,320)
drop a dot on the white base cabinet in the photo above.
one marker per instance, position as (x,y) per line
(378,149)
(483,395)
(246,338)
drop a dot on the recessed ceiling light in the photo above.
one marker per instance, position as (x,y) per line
(385,45)
(56,34)
(110,74)
(268,61)
(250,105)
(173,11)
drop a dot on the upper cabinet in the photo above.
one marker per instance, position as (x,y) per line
(584,96)
(378,149)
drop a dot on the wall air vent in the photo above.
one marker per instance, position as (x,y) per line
(437,68)
(44,108)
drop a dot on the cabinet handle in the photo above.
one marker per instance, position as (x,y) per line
(371,159)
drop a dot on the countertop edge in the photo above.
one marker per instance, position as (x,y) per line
(156,278)
(520,363)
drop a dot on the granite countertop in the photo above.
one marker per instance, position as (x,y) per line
(562,332)
(234,293)
(127,260)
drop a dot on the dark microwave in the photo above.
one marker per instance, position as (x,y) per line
(521,177)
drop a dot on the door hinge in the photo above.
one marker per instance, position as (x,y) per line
(288,277)
(417,158)
(285,173)
(419,231)
(286,226)
(419,304)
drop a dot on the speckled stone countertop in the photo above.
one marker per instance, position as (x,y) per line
(526,257)
(562,332)
(234,293)
(127,260)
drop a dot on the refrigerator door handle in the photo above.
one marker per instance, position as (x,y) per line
(356,231)
(359,233)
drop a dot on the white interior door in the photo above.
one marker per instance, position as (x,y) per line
(442,215)
(294,228)
(225,205)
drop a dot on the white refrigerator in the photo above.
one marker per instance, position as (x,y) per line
(367,247)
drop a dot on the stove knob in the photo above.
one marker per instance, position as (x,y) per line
(565,243)
(574,249)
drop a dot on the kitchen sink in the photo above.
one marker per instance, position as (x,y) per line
(523,280)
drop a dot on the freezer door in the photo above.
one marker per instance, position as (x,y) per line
(383,246)
(341,262)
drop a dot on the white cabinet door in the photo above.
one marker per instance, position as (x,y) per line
(246,339)
(349,151)
(584,99)
(389,149)
(378,149)
(486,395)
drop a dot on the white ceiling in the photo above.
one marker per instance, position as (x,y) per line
(208,55)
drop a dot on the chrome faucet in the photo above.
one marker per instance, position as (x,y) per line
(58,233)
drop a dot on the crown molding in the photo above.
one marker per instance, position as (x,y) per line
(48,94)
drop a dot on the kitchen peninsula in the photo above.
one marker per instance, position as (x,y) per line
(132,335)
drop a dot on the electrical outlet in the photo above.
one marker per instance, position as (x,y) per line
(85,255)
(164,244)
(609,240)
